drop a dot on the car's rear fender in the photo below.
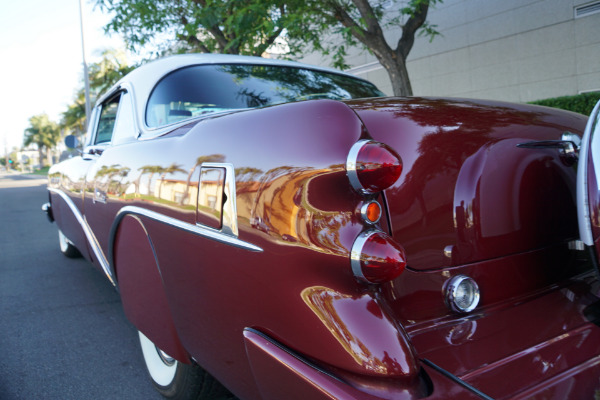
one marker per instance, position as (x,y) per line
(140,285)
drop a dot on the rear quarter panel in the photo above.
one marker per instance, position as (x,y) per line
(295,202)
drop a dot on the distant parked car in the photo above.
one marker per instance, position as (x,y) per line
(290,232)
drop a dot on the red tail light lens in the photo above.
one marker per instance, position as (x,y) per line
(372,166)
(376,258)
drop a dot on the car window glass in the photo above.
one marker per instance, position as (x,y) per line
(205,89)
(108,116)
(124,130)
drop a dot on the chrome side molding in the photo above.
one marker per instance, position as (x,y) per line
(91,238)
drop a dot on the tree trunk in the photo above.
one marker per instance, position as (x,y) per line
(40,156)
(49,156)
(396,69)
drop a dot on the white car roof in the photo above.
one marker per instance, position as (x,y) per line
(141,81)
(144,78)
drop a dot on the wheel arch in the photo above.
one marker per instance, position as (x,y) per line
(137,273)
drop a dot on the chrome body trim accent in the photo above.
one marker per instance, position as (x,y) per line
(229,225)
(199,230)
(568,148)
(91,238)
(47,208)
(351,166)
(589,141)
(573,138)
(448,251)
(451,288)
(292,353)
(356,253)
(576,245)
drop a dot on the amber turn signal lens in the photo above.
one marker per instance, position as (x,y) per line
(372,166)
(376,257)
(371,212)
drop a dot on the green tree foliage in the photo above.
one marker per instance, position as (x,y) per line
(43,133)
(250,27)
(103,74)
(364,22)
(207,26)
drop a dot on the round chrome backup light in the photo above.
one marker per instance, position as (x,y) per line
(462,294)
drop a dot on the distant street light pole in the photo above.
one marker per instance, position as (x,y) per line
(6,154)
(85,72)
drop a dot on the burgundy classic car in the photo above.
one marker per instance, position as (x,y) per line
(287,231)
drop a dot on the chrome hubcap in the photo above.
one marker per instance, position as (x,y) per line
(165,358)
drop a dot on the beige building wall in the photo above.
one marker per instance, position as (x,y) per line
(513,50)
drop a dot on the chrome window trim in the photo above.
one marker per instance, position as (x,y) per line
(91,127)
(91,238)
(583,206)
(198,230)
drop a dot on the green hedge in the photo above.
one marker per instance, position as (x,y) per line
(582,103)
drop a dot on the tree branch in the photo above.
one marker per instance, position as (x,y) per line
(416,20)
(346,20)
(214,30)
(366,11)
(192,40)
(273,36)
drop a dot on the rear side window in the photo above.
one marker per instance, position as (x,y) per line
(204,89)
(108,116)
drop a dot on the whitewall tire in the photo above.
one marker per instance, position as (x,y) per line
(176,380)
(66,247)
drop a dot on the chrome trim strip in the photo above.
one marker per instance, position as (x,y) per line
(91,238)
(356,252)
(199,230)
(292,353)
(583,206)
(351,166)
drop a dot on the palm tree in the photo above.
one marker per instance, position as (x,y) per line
(151,170)
(169,170)
(43,133)
(215,158)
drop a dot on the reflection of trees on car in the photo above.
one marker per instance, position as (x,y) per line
(171,169)
(291,84)
(198,90)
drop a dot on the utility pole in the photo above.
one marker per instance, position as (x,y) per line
(6,154)
(85,72)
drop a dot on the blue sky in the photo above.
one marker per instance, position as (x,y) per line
(41,60)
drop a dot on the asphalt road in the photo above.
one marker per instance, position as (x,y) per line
(63,334)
